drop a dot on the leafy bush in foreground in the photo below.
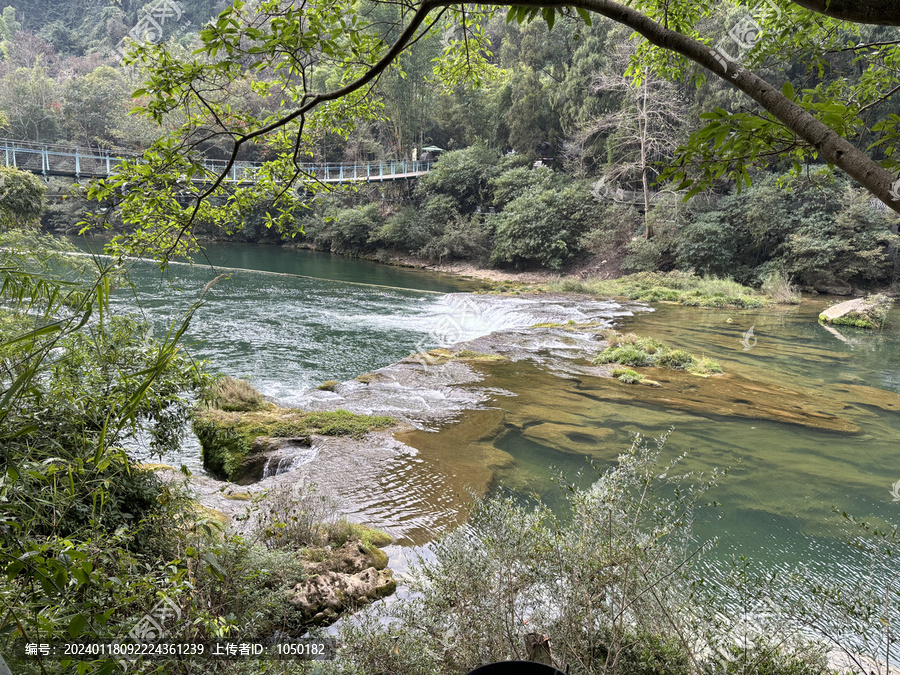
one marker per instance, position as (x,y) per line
(610,582)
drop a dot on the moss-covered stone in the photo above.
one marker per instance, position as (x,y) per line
(230,440)
(470,355)
(154,466)
(329,385)
(869,312)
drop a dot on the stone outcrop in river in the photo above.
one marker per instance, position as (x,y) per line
(349,577)
(868,312)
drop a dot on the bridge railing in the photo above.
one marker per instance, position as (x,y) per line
(63,160)
(335,173)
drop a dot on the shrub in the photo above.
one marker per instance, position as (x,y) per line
(515,569)
(543,227)
(513,183)
(294,517)
(609,235)
(463,237)
(463,175)
(351,230)
(407,230)
(778,287)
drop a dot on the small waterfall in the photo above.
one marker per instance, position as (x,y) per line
(284,464)
(288,459)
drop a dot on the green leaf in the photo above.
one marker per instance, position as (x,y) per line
(788,90)
(76,626)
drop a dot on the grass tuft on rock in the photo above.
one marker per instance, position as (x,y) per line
(684,288)
(234,395)
(636,352)
(627,376)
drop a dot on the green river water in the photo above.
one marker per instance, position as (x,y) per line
(289,333)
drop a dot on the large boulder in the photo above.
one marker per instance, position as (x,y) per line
(833,286)
(869,312)
(322,598)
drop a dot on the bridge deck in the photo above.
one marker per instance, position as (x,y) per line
(73,162)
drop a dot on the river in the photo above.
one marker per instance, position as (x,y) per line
(288,333)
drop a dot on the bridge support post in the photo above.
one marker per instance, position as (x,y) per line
(107,163)
(45,160)
(77,164)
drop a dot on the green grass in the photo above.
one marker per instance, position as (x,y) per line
(682,287)
(634,351)
(627,375)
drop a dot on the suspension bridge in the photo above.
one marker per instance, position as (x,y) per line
(74,162)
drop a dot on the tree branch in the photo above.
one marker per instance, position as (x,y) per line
(882,12)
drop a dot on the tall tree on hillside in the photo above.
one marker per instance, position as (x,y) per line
(28,96)
(89,104)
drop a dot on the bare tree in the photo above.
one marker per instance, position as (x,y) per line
(645,128)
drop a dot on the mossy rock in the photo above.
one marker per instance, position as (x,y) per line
(869,312)
(434,357)
(232,443)
(207,513)
(378,557)
(153,466)
(370,536)
(470,355)
(329,385)
(856,320)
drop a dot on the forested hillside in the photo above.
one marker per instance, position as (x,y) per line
(563,97)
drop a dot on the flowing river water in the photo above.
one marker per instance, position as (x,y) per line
(831,441)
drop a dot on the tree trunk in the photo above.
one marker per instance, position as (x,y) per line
(644,167)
